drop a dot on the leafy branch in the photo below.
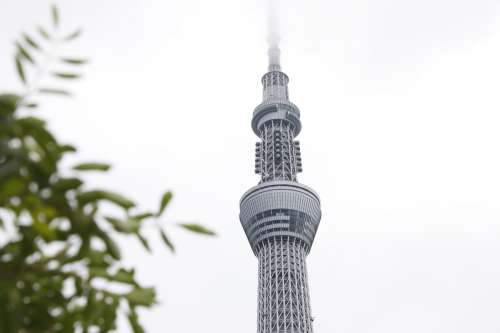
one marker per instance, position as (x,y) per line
(36,58)
(60,262)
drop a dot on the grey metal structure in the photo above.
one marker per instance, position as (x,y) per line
(280,216)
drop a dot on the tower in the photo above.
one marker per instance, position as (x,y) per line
(280,216)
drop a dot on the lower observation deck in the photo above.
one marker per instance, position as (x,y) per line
(280,208)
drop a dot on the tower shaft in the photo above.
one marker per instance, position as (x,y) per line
(283,299)
(280,216)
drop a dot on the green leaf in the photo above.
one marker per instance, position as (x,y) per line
(8,103)
(134,323)
(93,196)
(142,216)
(128,226)
(67,149)
(142,296)
(92,167)
(66,75)
(66,184)
(75,34)
(197,228)
(113,249)
(98,272)
(74,61)
(166,240)
(22,51)
(117,224)
(31,122)
(164,202)
(54,91)
(30,105)
(55,15)
(30,41)
(98,258)
(144,242)
(124,276)
(20,69)
(44,33)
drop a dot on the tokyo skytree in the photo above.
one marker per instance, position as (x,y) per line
(280,216)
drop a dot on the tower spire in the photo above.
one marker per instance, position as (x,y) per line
(280,216)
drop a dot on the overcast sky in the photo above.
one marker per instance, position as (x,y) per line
(400,108)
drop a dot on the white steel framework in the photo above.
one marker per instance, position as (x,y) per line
(283,292)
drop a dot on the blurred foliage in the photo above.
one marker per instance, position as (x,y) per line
(60,262)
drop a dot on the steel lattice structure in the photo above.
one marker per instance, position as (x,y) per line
(280,216)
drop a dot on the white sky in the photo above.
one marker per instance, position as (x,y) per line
(400,108)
